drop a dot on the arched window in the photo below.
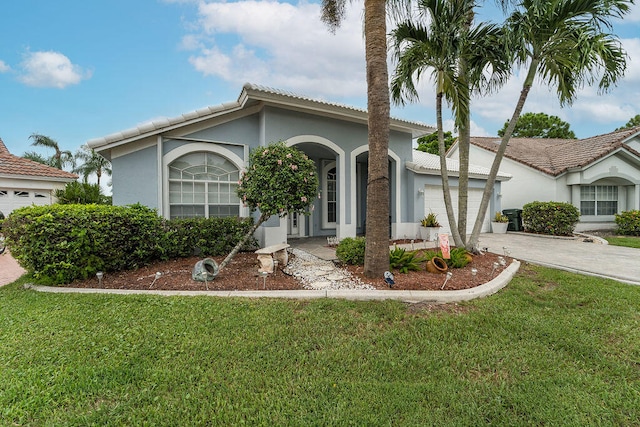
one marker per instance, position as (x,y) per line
(203,184)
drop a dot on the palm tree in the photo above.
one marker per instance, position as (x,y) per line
(60,158)
(37,157)
(458,55)
(92,163)
(378,105)
(564,42)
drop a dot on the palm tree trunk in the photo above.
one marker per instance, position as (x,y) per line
(493,173)
(241,243)
(464,138)
(377,246)
(446,192)
(463,180)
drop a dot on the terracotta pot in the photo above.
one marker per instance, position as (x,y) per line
(437,265)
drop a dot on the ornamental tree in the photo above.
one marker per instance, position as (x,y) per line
(633,122)
(539,125)
(279,180)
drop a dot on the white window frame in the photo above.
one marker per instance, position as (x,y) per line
(326,167)
(599,197)
(201,198)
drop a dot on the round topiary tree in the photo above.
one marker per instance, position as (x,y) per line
(279,180)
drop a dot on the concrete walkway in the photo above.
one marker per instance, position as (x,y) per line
(570,254)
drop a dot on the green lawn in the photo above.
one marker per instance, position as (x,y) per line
(553,348)
(629,241)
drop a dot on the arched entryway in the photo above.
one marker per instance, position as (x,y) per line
(328,216)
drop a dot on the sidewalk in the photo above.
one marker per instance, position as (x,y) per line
(10,270)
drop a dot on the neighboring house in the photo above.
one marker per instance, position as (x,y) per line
(190,165)
(598,175)
(24,182)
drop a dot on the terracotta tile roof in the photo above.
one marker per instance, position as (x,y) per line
(20,167)
(556,156)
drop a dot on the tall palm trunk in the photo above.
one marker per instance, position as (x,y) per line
(464,139)
(444,173)
(493,173)
(377,246)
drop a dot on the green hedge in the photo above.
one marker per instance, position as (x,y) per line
(555,218)
(628,223)
(62,243)
(212,236)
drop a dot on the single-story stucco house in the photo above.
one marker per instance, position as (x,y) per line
(598,175)
(24,182)
(190,165)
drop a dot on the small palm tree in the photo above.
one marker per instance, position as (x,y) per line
(458,55)
(566,43)
(60,158)
(92,163)
(37,157)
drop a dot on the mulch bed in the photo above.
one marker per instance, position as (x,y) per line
(241,274)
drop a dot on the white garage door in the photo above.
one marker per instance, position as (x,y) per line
(434,202)
(12,199)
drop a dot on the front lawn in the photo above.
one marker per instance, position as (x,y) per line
(553,348)
(628,241)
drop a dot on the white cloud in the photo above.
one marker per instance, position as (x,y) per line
(634,14)
(51,69)
(279,44)
(4,67)
(285,45)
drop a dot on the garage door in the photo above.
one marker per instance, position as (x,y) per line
(12,199)
(434,202)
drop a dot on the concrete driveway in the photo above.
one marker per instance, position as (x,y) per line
(10,270)
(571,254)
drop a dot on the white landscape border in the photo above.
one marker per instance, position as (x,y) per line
(489,288)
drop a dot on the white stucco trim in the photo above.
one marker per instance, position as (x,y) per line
(191,148)
(398,187)
(330,164)
(161,175)
(342,228)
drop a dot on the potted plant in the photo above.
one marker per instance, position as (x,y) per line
(499,223)
(429,227)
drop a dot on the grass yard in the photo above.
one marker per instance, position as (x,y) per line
(628,241)
(553,348)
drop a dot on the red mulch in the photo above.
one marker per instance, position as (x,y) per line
(241,274)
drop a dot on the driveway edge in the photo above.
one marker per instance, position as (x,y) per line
(489,288)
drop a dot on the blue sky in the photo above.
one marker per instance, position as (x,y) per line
(75,70)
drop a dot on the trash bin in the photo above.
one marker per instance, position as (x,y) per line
(515,219)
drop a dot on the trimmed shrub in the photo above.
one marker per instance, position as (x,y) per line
(628,223)
(350,250)
(208,236)
(555,218)
(62,243)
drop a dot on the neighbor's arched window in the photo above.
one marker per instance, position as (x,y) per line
(203,184)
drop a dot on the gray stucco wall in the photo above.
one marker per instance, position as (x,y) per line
(135,178)
(136,174)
